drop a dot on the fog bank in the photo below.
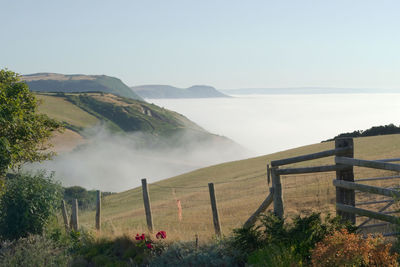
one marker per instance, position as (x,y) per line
(118,162)
(270,123)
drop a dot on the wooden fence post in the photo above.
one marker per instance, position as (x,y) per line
(75,220)
(217,225)
(250,222)
(277,192)
(65,215)
(147,207)
(345,196)
(98,211)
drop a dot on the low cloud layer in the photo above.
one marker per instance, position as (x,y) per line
(116,163)
(271,123)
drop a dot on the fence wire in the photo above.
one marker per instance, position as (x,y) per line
(366,201)
(185,211)
(307,193)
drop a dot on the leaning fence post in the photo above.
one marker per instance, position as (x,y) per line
(147,207)
(65,215)
(345,196)
(75,220)
(277,192)
(98,211)
(250,222)
(217,225)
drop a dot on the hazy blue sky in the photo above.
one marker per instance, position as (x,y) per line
(227,44)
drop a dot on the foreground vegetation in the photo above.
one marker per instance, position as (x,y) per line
(306,241)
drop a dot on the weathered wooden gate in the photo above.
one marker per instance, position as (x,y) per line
(345,183)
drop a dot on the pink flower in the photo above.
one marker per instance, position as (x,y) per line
(137,237)
(149,245)
(161,234)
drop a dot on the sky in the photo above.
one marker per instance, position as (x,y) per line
(224,43)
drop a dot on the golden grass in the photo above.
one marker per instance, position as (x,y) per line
(66,141)
(60,109)
(240,188)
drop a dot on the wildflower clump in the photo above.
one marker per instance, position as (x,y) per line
(161,235)
(349,249)
(146,242)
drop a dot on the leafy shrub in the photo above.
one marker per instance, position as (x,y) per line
(186,254)
(298,237)
(86,198)
(27,204)
(275,256)
(348,249)
(32,251)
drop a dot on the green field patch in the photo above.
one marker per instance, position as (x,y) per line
(60,109)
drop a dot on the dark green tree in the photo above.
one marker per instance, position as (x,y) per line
(27,204)
(24,133)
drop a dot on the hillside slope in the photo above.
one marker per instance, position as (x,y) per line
(167,91)
(54,82)
(240,187)
(150,126)
(119,114)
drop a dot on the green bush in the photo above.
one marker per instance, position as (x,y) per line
(275,256)
(33,251)
(27,204)
(86,198)
(298,237)
(186,254)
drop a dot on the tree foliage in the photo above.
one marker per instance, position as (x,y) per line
(23,132)
(27,205)
(373,131)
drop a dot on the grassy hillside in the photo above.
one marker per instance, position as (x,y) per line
(80,111)
(54,82)
(61,109)
(240,188)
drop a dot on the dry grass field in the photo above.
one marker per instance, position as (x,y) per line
(66,141)
(240,187)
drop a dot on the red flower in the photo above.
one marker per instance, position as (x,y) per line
(149,245)
(140,237)
(161,234)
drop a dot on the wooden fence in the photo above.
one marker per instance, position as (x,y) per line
(345,183)
(73,222)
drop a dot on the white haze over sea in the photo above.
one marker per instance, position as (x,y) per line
(263,124)
(271,123)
